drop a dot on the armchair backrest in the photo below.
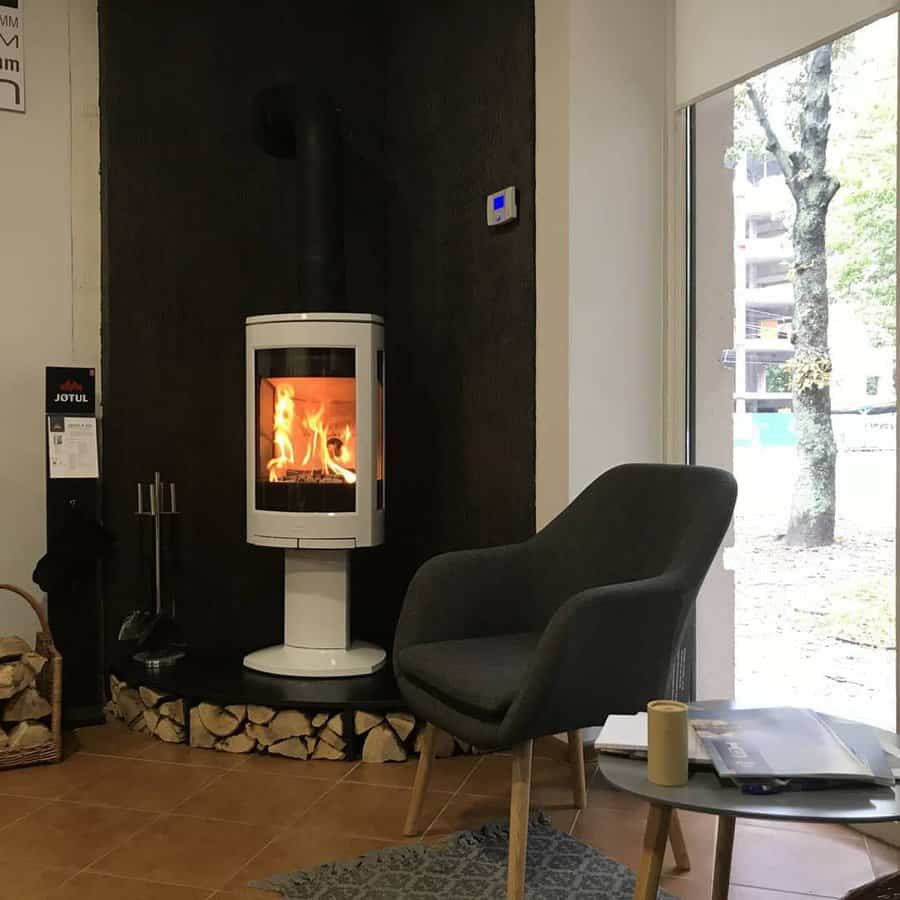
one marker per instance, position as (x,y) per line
(635,521)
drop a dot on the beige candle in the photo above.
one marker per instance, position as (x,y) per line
(667,743)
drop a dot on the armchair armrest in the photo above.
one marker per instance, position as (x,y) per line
(468,593)
(605,650)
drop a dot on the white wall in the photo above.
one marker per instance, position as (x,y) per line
(49,265)
(720,42)
(616,204)
(552,110)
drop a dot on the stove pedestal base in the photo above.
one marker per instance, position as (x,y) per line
(360,658)
(317,622)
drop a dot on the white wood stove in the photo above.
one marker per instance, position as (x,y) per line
(315,476)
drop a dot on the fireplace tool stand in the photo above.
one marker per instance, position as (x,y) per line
(317,622)
(157,636)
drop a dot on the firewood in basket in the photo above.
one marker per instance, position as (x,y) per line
(319,719)
(336,724)
(35,662)
(29,704)
(12,648)
(4,740)
(218,721)
(290,723)
(27,735)
(382,745)
(14,677)
(200,735)
(293,747)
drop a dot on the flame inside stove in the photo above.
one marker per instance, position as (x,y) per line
(327,447)
(284,423)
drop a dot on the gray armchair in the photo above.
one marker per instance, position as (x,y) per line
(507,644)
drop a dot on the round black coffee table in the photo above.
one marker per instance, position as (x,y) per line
(704,793)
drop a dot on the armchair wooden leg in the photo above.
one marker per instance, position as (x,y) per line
(420,786)
(679,845)
(518,820)
(724,847)
(576,758)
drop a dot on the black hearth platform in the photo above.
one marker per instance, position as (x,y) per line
(226,681)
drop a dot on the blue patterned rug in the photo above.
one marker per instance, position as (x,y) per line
(470,865)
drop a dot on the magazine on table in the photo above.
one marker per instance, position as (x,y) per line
(784,744)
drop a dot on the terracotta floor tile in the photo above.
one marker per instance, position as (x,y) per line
(885,858)
(446,774)
(551,780)
(620,833)
(12,808)
(23,881)
(160,751)
(67,834)
(826,864)
(140,784)
(112,739)
(303,848)
(369,810)
(469,811)
(88,886)
(326,769)
(255,798)
(52,781)
(188,851)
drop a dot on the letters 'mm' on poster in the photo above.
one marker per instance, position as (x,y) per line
(12,56)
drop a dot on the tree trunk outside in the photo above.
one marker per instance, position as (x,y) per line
(811,522)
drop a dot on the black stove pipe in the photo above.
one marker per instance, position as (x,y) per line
(302,123)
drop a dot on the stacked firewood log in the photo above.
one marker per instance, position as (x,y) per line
(293,733)
(24,713)
(147,711)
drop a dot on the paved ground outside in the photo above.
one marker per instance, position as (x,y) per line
(816,627)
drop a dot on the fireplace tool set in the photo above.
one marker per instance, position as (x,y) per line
(156,632)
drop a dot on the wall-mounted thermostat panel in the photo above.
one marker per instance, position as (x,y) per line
(501,207)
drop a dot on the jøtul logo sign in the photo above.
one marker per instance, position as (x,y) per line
(12,56)
(70,390)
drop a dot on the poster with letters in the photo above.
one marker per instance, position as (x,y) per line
(12,56)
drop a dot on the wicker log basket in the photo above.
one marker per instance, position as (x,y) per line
(49,684)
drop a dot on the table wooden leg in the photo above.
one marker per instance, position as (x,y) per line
(724,847)
(679,845)
(656,834)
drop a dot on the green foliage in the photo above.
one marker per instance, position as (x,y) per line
(778,378)
(863,246)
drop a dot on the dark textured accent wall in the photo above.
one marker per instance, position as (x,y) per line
(437,102)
